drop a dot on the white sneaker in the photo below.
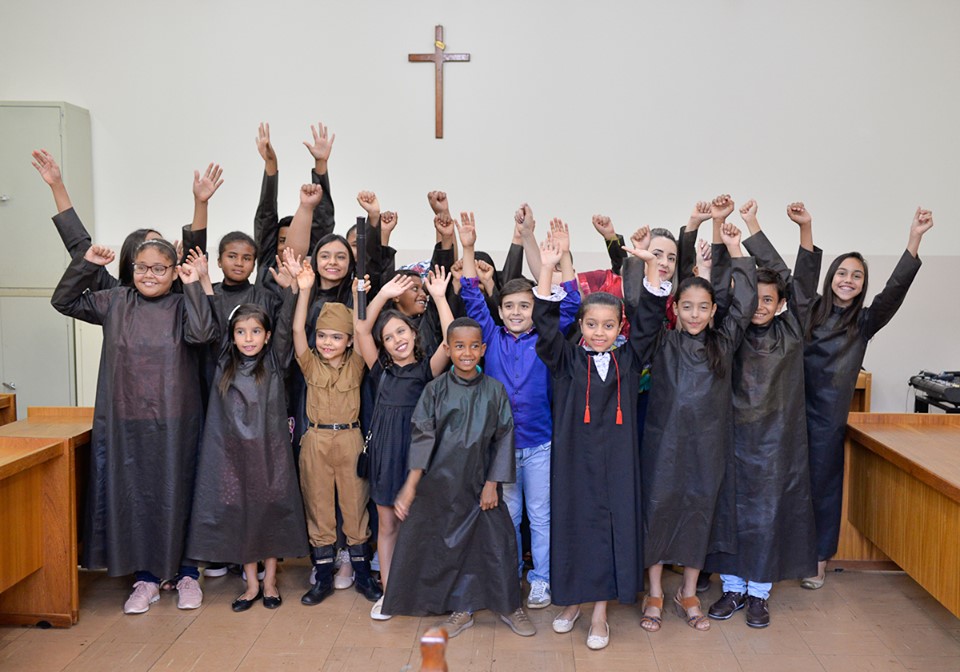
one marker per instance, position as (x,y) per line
(539,596)
(144,594)
(343,581)
(375,561)
(261,572)
(189,594)
(376,612)
(215,570)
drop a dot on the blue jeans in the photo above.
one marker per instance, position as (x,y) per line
(532,487)
(735,584)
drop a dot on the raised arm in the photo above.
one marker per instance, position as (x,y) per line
(552,346)
(204,187)
(72,232)
(71,297)
(199,324)
(799,215)
(266,219)
(614,243)
(298,235)
(323,219)
(720,209)
(436,283)
(686,247)
(363,329)
(513,262)
(524,219)
(646,318)
(560,233)
(305,281)
(886,304)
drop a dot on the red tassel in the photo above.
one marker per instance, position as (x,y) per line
(619,416)
(586,412)
(586,416)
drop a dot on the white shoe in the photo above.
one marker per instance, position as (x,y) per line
(564,625)
(376,612)
(341,581)
(215,570)
(597,642)
(375,561)
(539,596)
(144,594)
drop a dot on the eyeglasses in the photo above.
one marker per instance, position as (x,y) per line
(158,270)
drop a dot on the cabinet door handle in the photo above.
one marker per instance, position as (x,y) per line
(4,198)
(10,385)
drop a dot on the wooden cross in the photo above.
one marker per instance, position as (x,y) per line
(438,57)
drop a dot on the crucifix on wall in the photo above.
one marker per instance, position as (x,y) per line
(438,58)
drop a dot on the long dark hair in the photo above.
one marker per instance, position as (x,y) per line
(715,360)
(343,291)
(128,252)
(381,322)
(823,307)
(243,312)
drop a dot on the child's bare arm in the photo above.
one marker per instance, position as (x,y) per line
(467,228)
(47,166)
(799,214)
(298,235)
(748,213)
(436,283)
(560,233)
(203,190)
(305,281)
(730,235)
(550,256)
(404,500)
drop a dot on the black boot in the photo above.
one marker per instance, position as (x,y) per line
(322,557)
(364,582)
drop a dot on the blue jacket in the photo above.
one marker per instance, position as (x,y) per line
(513,361)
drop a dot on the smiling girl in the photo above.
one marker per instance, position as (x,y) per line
(836,342)
(390,344)
(147,417)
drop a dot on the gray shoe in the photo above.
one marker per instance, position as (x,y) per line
(519,623)
(456,623)
(539,597)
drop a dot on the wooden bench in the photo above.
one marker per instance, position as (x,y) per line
(38,515)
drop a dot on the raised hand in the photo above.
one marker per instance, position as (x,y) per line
(550,253)
(524,220)
(263,144)
(292,263)
(700,214)
(281,277)
(99,255)
(721,207)
(797,212)
(198,260)
(205,187)
(188,274)
(456,271)
(397,285)
(730,235)
(748,211)
(437,281)
(368,201)
(47,166)
(444,225)
(438,202)
(178,248)
(322,143)
(922,222)
(485,273)
(467,228)
(641,238)
(704,259)
(604,227)
(388,222)
(361,284)
(560,233)
(310,195)
(306,276)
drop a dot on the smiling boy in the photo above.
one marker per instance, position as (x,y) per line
(456,550)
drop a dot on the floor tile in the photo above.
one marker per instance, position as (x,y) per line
(779,663)
(860,663)
(684,661)
(930,663)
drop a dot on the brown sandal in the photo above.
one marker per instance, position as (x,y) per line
(683,605)
(651,623)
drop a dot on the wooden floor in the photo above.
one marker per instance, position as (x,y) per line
(858,621)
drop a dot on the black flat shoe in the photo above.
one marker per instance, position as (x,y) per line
(241,604)
(271,602)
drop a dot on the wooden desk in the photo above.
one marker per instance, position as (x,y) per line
(47,443)
(905,494)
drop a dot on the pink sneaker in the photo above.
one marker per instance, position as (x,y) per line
(190,595)
(144,594)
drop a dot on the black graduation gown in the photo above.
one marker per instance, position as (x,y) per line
(774,515)
(451,555)
(831,364)
(147,420)
(688,436)
(77,240)
(595,517)
(247,505)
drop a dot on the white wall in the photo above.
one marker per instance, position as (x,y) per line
(634,109)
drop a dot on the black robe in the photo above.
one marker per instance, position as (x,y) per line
(775,530)
(147,420)
(595,517)
(688,437)
(451,555)
(247,505)
(831,364)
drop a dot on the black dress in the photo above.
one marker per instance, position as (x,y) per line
(450,554)
(147,420)
(831,364)
(397,393)
(595,519)
(247,505)
(774,514)
(688,437)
